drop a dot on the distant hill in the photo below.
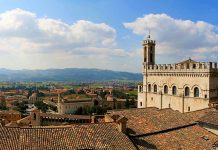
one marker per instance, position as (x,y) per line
(69,74)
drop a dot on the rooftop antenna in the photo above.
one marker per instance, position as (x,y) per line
(149,33)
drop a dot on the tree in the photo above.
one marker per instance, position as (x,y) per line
(30,92)
(127,103)
(79,111)
(40,94)
(87,110)
(3,104)
(81,92)
(103,94)
(119,94)
(20,106)
(41,105)
(119,106)
(132,102)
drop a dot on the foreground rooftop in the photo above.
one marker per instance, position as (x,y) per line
(86,136)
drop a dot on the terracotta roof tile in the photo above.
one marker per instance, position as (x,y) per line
(91,136)
(192,137)
(196,115)
(210,118)
(141,121)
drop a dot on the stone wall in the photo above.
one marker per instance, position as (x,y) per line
(178,101)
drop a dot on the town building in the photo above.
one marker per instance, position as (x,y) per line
(185,86)
(33,98)
(69,106)
(37,118)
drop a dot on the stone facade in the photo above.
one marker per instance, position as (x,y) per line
(185,86)
(70,106)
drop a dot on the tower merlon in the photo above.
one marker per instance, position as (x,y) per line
(200,66)
(148,41)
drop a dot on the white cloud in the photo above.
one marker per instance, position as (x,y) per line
(22,31)
(28,41)
(177,37)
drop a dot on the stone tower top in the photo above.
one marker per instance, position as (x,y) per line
(149,51)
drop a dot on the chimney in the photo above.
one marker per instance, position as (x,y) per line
(93,118)
(121,122)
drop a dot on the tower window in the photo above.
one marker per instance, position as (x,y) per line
(187,66)
(149,87)
(140,103)
(155,88)
(140,88)
(145,54)
(174,90)
(187,91)
(196,92)
(194,66)
(165,89)
(205,96)
(169,106)
(151,57)
(189,108)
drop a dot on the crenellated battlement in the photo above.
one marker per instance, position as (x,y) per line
(148,41)
(196,67)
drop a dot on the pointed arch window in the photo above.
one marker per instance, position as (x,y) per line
(187,91)
(174,90)
(196,92)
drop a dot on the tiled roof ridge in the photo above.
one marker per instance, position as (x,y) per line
(116,110)
(58,127)
(164,131)
(64,116)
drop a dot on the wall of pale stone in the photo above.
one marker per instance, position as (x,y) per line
(177,101)
(213,87)
(69,108)
(180,82)
(141,100)
(182,104)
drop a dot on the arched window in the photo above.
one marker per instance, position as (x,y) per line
(174,90)
(189,109)
(196,92)
(149,87)
(151,57)
(165,89)
(140,88)
(187,91)
(145,54)
(155,88)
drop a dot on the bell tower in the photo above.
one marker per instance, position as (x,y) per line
(149,51)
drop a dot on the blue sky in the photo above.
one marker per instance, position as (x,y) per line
(35,34)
